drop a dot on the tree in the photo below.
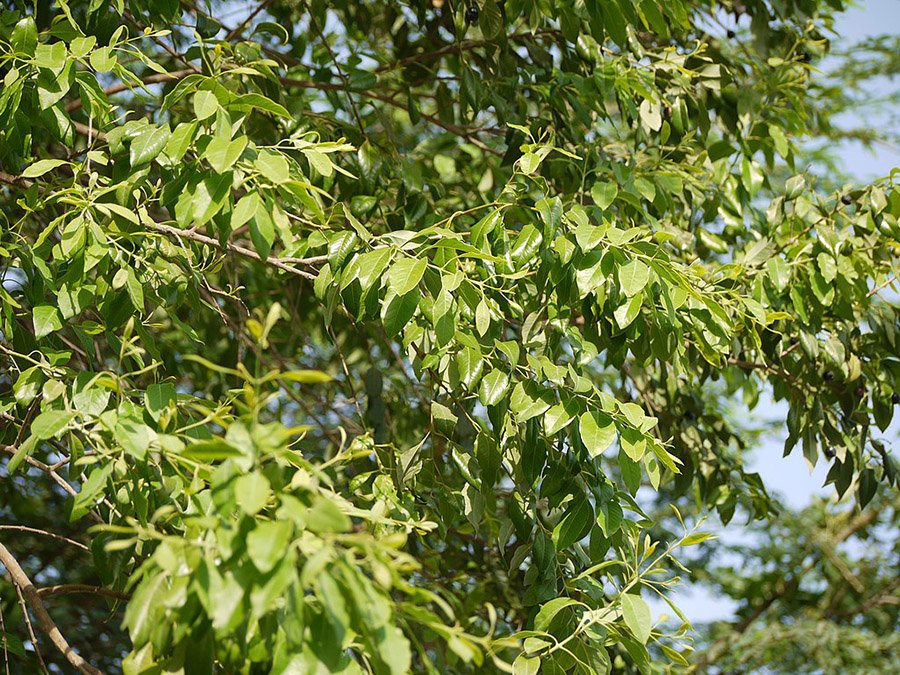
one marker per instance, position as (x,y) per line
(347,336)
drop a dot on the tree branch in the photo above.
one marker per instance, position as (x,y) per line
(62,589)
(52,535)
(21,580)
(235,248)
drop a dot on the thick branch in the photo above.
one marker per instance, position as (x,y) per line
(21,580)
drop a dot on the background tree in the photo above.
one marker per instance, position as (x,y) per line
(343,336)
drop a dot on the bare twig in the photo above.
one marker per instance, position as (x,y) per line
(52,535)
(62,589)
(881,287)
(21,581)
(237,30)
(46,468)
(337,66)
(30,629)
(5,650)
(235,248)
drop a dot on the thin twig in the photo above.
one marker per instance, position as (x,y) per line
(30,629)
(46,468)
(234,248)
(237,30)
(337,66)
(62,589)
(52,535)
(5,650)
(881,287)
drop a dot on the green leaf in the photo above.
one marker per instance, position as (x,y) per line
(696,538)
(398,310)
(133,435)
(24,450)
(103,59)
(268,542)
(205,104)
(528,401)
(46,320)
(251,492)
(51,423)
(493,387)
(320,162)
(158,398)
(628,311)
(444,419)
(779,272)
(28,384)
(633,277)
(637,616)
(42,166)
(604,193)
(558,418)
(262,231)
(325,516)
(575,525)
(50,56)
(597,432)
(526,665)
(405,274)
(149,144)
(273,166)
(24,38)
(222,153)
(469,364)
(372,265)
(549,610)
(180,141)
(210,451)
(245,210)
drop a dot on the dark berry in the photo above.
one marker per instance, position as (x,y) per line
(829,452)
(793,341)
(860,391)
(730,34)
(805,58)
(895,398)
(667,112)
(828,376)
(846,200)
(472,14)
(689,415)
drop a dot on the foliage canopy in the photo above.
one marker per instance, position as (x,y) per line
(350,336)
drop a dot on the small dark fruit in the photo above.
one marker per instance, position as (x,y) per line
(860,391)
(805,57)
(667,112)
(689,415)
(794,340)
(829,452)
(846,200)
(828,376)
(895,398)
(472,14)
(730,34)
